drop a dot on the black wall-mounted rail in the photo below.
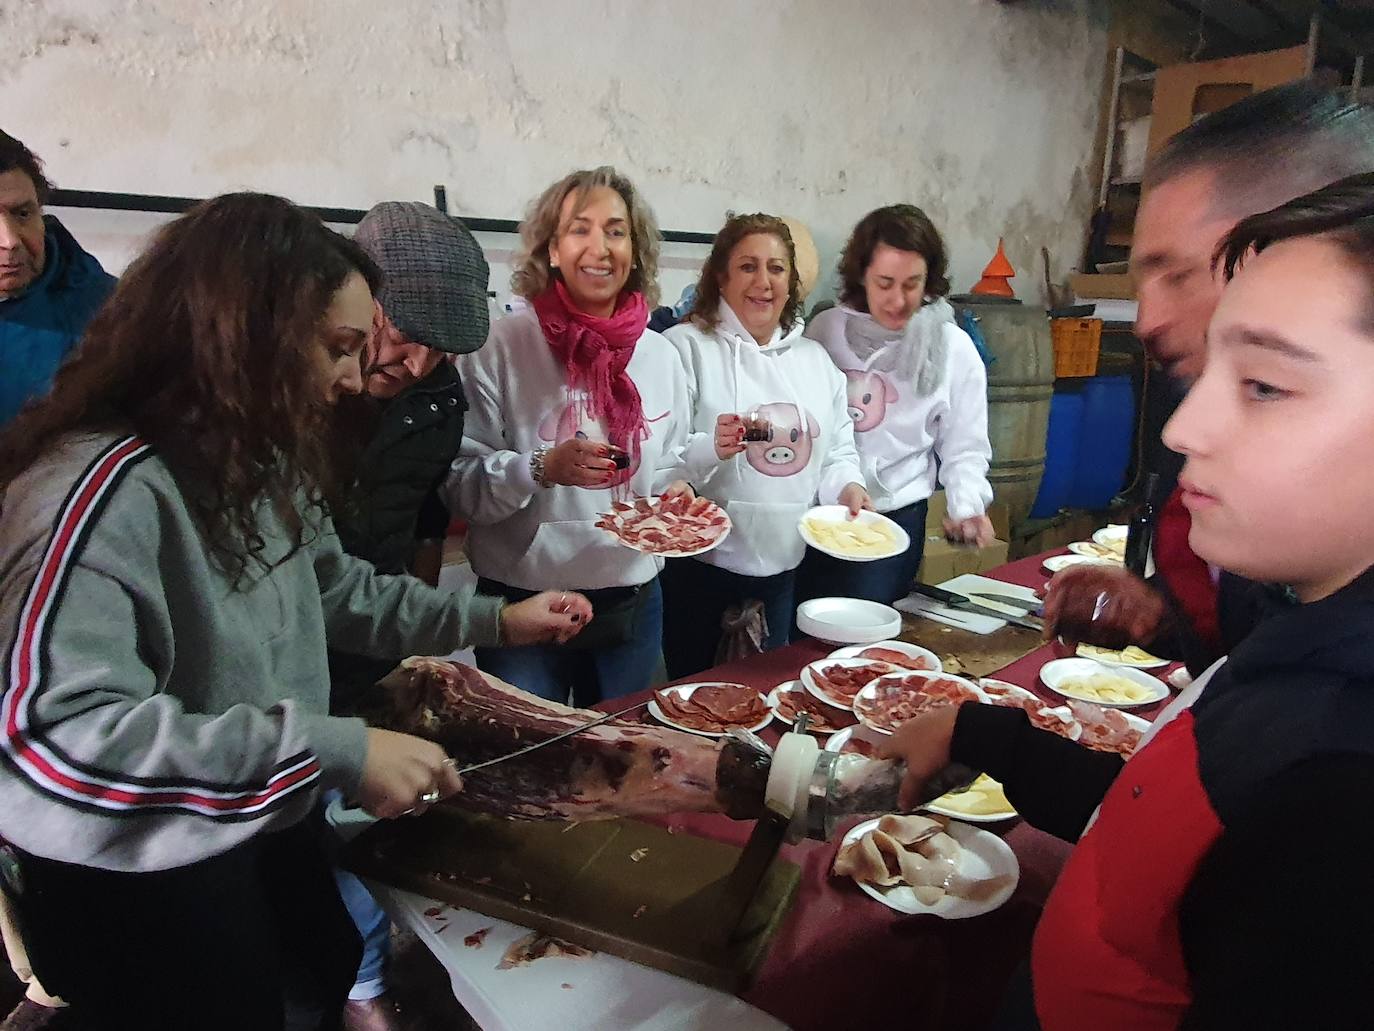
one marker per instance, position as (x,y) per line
(101,200)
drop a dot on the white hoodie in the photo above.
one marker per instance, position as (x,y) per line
(766,488)
(537,537)
(915,395)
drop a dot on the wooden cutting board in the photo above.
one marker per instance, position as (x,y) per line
(618,886)
(978,654)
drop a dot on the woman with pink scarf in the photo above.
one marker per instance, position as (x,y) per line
(573,403)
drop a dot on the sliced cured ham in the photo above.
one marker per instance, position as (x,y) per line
(675,526)
(894,701)
(823,718)
(715,708)
(900,660)
(1105,730)
(842,682)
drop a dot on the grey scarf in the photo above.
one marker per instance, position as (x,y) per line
(915,354)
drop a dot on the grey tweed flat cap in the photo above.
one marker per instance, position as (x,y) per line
(435,276)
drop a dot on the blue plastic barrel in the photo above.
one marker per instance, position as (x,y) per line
(1061,452)
(1104,449)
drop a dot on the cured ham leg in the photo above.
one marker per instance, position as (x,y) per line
(617,769)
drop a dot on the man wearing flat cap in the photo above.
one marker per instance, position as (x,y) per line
(403,432)
(433,303)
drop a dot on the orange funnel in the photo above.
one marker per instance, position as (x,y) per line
(996,280)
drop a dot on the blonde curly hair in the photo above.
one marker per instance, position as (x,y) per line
(541,227)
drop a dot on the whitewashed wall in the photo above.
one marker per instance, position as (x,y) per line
(982,113)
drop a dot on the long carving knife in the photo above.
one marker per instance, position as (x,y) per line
(465,770)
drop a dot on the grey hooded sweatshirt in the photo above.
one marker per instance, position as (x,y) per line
(152,713)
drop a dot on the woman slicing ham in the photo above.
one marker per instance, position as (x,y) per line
(917,394)
(747,361)
(573,402)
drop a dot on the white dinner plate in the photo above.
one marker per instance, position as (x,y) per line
(1053,675)
(840,514)
(941,806)
(874,689)
(848,620)
(617,517)
(813,685)
(911,651)
(796,685)
(1112,535)
(685,691)
(1091,549)
(984,856)
(1055,563)
(1108,657)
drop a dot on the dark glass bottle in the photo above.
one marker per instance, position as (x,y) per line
(1141,533)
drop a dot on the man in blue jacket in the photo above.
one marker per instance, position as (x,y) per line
(49,286)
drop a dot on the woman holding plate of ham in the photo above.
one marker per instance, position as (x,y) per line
(917,393)
(770,433)
(573,405)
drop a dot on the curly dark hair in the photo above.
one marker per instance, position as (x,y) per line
(207,349)
(905,227)
(706,302)
(14,155)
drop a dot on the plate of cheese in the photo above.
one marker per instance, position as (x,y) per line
(864,538)
(1131,656)
(1087,680)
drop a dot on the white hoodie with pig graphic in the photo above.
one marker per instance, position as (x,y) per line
(540,538)
(768,487)
(914,395)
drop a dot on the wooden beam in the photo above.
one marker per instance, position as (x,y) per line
(1297,16)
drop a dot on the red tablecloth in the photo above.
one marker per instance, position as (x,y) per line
(842,960)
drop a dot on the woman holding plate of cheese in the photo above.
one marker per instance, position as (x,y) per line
(917,395)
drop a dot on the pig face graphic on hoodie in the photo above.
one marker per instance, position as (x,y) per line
(574,420)
(787,451)
(869,395)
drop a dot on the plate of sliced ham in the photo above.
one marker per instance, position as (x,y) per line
(1108,730)
(1095,727)
(673,527)
(837,681)
(898,654)
(891,700)
(790,698)
(711,709)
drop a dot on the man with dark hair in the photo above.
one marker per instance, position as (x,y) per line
(407,424)
(1253,156)
(49,286)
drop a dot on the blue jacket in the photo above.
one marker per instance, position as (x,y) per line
(41,325)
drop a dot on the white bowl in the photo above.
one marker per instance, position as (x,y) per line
(848,620)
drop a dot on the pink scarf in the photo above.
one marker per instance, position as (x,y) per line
(596,352)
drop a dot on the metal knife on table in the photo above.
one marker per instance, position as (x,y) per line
(965,603)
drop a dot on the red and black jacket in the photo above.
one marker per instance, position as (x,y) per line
(1224,883)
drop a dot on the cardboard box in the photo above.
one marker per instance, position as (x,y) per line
(1184,92)
(1096,286)
(944,561)
(998,513)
